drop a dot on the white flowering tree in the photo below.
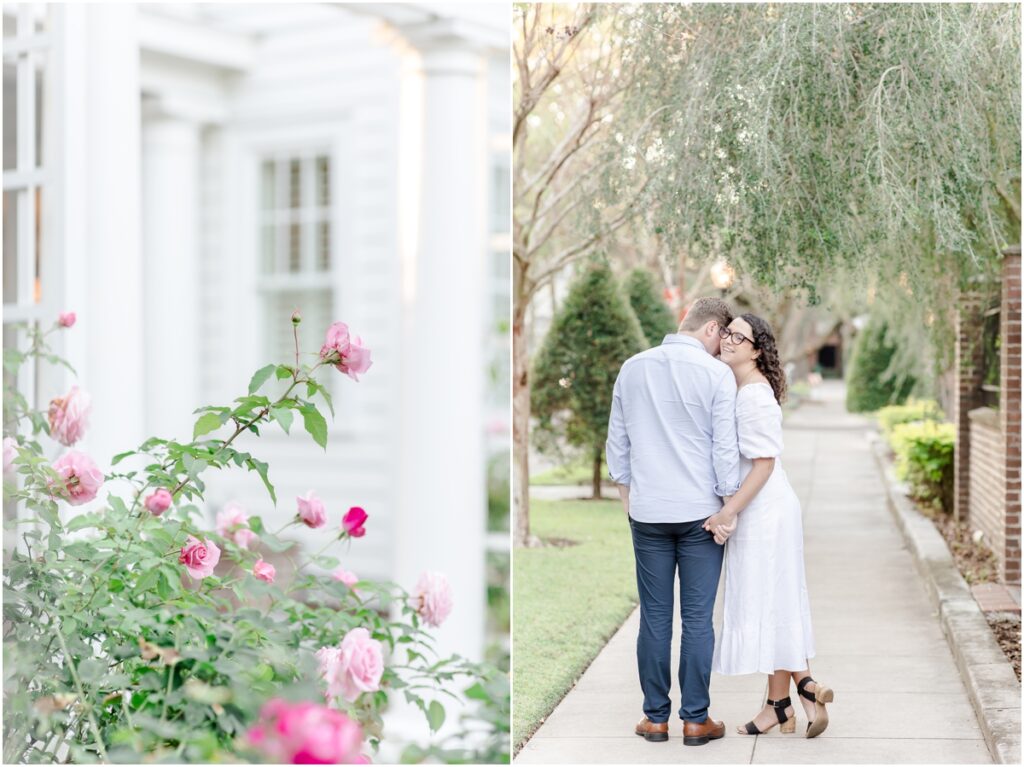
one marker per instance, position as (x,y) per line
(133,632)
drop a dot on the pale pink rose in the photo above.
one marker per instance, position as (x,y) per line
(158,502)
(353,521)
(354,667)
(10,453)
(433,598)
(199,557)
(347,577)
(81,478)
(306,733)
(311,510)
(66,319)
(233,522)
(348,355)
(69,416)
(264,571)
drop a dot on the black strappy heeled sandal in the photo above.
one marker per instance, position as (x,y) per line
(787,723)
(819,698)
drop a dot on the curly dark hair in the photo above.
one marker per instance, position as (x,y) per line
(768,361)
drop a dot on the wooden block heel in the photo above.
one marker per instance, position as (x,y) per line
(819,697)
(787,724)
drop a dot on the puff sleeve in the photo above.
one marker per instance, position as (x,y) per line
(759,422)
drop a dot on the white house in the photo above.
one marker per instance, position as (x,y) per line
(184,176)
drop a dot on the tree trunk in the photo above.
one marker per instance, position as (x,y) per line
(520,429)
(596,487)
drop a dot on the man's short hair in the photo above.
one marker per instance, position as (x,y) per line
(703,310)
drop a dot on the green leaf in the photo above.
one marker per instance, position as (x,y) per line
(120,457)
(435,715)
(315,424)
(82,522)
(261,468)
(206,423)
(283,371)
(260,377)
(283,416)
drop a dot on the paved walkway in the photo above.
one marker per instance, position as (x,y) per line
(899,698)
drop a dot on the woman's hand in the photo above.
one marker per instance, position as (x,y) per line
(722,524)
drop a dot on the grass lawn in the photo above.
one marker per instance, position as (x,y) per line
(578,472)
(568,602)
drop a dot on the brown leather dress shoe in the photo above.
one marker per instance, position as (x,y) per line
(656,732)
(699,733)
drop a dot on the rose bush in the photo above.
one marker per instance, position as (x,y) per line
(135,632)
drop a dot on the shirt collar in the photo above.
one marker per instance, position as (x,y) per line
(679,338)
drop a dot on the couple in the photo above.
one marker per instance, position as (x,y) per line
(696,422)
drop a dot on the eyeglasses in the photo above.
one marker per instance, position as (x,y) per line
(737,338)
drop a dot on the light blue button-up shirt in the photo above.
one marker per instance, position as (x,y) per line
(672,432)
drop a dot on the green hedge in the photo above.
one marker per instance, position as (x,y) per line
(915,410)
(924,458)
(869,386)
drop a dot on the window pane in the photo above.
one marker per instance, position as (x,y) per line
(40,73)
(500,197)
(295,183)
(323,181)
(37,296)
(323,261)
(269,180)
(10,247)
(10,115)
(268,237)
(10,22)
(294,248)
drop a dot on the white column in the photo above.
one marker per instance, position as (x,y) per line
(442,511)
(170,240)
(108,295)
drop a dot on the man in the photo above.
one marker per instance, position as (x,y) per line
(672,452)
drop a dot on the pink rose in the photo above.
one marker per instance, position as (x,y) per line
(82,480)
(69,416)
(350,579)
(66,319)
(353,522)
(199,557)
(434,598)
(306,733)
(352,668)
(264,571)
(311,510)
(159,501)
(233,522)
(10,453)
(346,354)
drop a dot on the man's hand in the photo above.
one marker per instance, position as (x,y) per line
(624,497)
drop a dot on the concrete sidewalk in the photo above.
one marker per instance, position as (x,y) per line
(899,696)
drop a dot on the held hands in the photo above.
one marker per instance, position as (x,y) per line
(721,525)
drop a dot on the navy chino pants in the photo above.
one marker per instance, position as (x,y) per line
(662,550)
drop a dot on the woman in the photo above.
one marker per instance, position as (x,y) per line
(767,619)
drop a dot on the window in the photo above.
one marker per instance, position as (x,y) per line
(25,51)
(296,256)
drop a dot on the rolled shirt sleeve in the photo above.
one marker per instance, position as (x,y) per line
(616,448)
(724,445)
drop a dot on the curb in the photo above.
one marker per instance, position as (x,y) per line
(991,684)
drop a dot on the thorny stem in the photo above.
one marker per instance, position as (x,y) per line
(81,693)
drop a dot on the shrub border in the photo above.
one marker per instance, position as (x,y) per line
(991,683)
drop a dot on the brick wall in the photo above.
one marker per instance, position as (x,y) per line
(1009,407)
(987,477)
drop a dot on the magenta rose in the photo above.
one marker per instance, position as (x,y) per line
(233,523)
(264,571)
(347,354)
(69,416)
(352,668)
(199,557)
(66,319)
(311,510)
(306,733)
(433,596)
(10,453)
(353,522)
(350,579)
(159,501)
(81,479)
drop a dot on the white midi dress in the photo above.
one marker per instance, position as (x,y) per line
(766,623)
